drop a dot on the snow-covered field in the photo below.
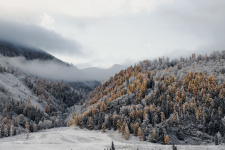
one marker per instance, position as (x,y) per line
(82,139)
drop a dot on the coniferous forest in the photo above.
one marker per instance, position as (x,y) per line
(180,101)
(162,101)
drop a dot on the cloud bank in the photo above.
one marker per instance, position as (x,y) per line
(55,71)
(113,31)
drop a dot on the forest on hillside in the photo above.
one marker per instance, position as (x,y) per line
(45,107)
(165,101)
(180,101)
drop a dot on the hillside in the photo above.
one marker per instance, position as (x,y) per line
(31,103)
(162,101)
(85,86)
(31,100)
(14,50)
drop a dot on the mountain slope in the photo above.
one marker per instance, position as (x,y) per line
(178,101)
(28,102)
(86,86)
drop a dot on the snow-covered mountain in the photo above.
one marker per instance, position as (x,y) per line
(29,101)
(160,101)
(180,101)
(37,89)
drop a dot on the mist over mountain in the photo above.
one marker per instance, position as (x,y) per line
(43,64)
(10,49)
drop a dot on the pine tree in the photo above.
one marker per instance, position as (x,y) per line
(153,135)
(75,120)
(27,129)
(162,117)
(11,129)
(19,131)
(139,134)
(90,125)
(27,134)
(1,133)
(119,125)
(123,127)
(47,108)
(135,128)
(6,131)
(103,127)
(112,147)
(174,147)
(35,127)
(28,100)
(69,123)
(127,132)
(216,140)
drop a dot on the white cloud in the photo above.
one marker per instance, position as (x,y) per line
(47,21)
(79,8)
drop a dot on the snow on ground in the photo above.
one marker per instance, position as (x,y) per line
(15,85)
(74,138)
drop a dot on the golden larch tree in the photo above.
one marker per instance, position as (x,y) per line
(139,134)
(127,132)
(167,140)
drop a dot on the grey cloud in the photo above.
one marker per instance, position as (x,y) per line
(38,37)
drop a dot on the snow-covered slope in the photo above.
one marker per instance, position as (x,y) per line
(16,87)
(26,99)
(73,138)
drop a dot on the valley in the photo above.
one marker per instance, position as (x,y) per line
(151,105)
(83,139)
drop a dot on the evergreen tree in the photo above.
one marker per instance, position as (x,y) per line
(174,147)
(216,140)
(112,147)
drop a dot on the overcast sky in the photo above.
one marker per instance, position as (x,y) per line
(101,33)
